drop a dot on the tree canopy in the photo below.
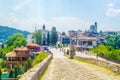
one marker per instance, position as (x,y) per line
(38,36)
(48,38)
(113,40)
(63,33)
(17,39)
(54,36)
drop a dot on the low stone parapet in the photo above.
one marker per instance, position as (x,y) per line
(35,72)
(115,67)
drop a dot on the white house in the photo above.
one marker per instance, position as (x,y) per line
(85,42)
(30,38)
(45,32)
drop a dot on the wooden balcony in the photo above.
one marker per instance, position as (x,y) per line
(15,62)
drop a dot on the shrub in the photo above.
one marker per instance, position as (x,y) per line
(18,77)
(41,56)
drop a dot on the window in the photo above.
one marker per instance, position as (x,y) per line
(89,42)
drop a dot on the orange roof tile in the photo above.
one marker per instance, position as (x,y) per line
(14,54)
(21,49)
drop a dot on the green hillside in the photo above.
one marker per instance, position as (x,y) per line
(6,31)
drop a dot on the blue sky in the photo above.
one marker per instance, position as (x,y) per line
(63,14)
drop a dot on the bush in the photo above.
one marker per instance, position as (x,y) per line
(2,63)
(29,61)
(18,77)
(107,52)
(41,56)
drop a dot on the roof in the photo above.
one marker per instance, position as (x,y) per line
(86,38)
(21,49)
(14,54)
(31,44)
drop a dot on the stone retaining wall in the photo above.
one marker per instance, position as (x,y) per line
(104,63)
(35,72)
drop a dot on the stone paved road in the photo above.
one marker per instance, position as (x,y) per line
(62,68)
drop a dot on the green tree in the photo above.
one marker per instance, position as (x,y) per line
(11,74)
(2,63)
(63,33)
(15,40)
(0,74)
(16,68)
(29,61)
(38,36)
(54,36)
(48,38)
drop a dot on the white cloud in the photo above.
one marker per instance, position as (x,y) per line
(110,5)
(111,11)
(21,4)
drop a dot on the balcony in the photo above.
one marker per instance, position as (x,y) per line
(15,62)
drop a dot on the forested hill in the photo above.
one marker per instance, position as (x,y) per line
(6,31)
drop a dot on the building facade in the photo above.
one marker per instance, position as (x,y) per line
(30,38)
(17,57)
(85,42)
(45,33)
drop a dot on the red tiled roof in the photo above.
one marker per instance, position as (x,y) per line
(21,49)
(31,44)
(14,54)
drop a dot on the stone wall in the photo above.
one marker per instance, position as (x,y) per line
(35,72)
(115,67)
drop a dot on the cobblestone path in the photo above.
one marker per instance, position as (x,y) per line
(62,68)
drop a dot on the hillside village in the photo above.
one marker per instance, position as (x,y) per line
(21,53)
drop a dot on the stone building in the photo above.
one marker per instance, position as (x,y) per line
(93,28)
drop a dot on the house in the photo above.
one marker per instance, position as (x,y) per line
(45,36)
(30,38)
(75,34)
(84,42)
(34,49)
(65,39)
(18,56)
(72,33)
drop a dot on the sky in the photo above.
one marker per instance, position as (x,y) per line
(63,14)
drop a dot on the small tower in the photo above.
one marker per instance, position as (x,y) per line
(35,28)
(96,27)
(43,27)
